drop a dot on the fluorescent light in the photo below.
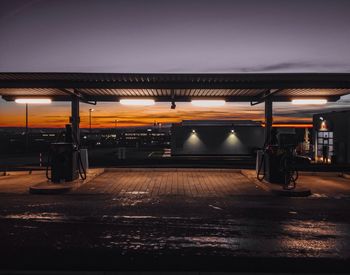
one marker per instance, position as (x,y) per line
(33,100)
(137,102)
(309,101)
(208,103)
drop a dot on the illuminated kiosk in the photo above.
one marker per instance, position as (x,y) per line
(332,137)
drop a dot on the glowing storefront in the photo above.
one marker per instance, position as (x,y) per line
(332,137)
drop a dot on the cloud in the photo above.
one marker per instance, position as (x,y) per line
(288,66)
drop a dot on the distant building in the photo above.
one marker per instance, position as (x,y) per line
(149,137)
(217,137)
(332,137)
(15,142)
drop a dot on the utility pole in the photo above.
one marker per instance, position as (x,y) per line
(268,120)
(75,118)
(27,129)
(90,114)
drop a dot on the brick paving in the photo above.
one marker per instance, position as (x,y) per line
(173,182)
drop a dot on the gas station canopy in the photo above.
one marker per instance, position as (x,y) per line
(248,87)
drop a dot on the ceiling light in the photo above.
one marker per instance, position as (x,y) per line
(208,103)
(137,102)
(33,100)
(309,101)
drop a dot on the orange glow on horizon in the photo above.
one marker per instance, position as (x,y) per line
(105,115)
(290,125)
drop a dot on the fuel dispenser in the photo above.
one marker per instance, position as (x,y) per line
(64,158)
(276,161)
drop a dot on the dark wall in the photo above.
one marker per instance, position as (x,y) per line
(216,140)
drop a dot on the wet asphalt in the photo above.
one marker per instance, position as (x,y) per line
(261,233)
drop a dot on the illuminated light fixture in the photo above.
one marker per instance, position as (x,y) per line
(137,102)
(33,100)
(193,131)
(208,103)
(309,101)
(232,131)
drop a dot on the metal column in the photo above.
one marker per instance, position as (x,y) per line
(27,130)
(268,120)
(75,118)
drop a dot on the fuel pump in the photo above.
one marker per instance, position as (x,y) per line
(276,161)
(64,158)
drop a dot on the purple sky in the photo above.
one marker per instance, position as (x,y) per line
(172,36)
(175,36)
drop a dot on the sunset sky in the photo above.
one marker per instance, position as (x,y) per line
(105,114)
(182,36)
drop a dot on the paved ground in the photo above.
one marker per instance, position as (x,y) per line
(171,182)
(326,184)
(19,182)
(176,220)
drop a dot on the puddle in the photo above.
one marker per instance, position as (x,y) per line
(317,195)
(215,207)
(137,192)
(38,216)
(134,217)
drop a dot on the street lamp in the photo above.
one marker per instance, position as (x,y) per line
(27,101)
(116,124)
(90,111)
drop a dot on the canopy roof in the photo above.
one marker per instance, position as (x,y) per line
(174,87)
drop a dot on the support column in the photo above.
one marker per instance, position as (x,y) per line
(75,118)
(27,130)
(268,119)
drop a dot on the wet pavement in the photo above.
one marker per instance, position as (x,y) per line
(242,231)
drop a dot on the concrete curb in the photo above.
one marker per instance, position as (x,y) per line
(324,174)
(298,192)
(275,189)
(345,175)
(21,173)
(48,188)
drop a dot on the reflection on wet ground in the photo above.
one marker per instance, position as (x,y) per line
(142,226)
(244,227)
